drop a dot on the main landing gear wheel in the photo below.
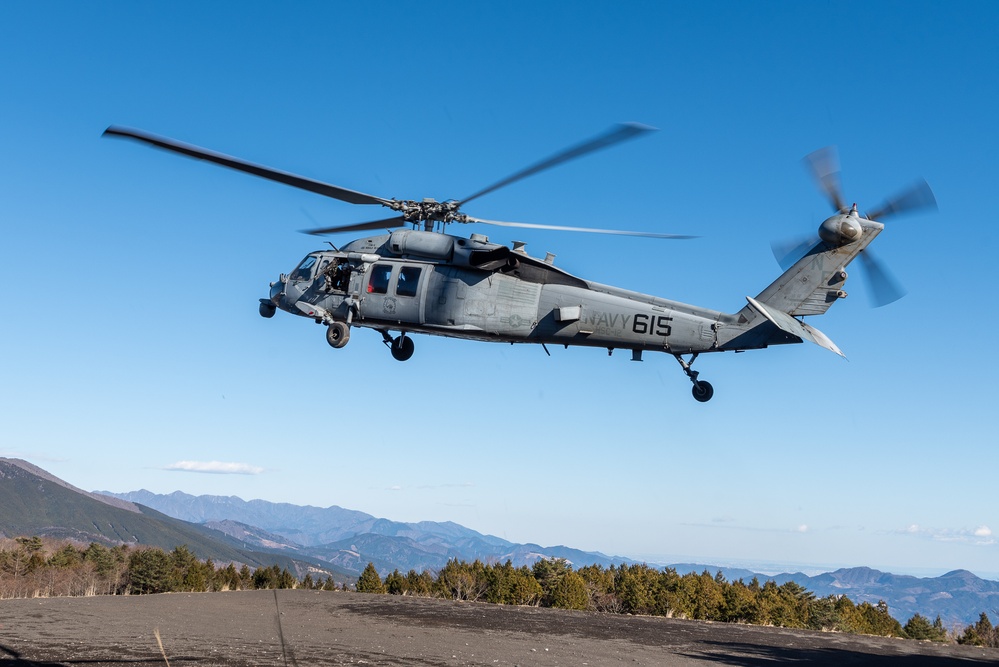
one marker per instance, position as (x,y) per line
(703,391)
(402,347)
(337,334)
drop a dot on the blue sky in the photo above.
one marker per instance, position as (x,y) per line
(132,344)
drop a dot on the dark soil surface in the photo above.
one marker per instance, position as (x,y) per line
(302,628)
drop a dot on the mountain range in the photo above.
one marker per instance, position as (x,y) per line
(33,502)
(341,542)
(349,539)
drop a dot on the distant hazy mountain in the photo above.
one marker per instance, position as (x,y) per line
(958,597)
(349,539)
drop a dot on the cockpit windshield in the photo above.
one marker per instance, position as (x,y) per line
(304,270)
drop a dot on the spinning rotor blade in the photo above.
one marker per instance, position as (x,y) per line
(325,189)
(620,232)
(824,166)
(918,196)
(387,223)
(884,289)
(881,285)
(790,251)
(615,135)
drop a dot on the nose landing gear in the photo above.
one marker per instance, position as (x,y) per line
(702,391)
(337,334)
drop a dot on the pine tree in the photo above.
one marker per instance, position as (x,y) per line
(369,581)
(570,592)
(395,583)
(919,627)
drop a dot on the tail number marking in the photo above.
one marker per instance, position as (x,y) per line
(652,325)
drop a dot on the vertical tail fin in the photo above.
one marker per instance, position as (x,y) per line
(809,287)
(815,281)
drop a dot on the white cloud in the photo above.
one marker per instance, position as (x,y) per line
(215,467)
(982,535)
(803,528)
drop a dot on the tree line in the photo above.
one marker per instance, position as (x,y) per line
(33,567)
(645,590)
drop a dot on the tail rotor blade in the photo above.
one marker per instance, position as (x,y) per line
(918,196)
(824,166)
(791,250)
(884,289)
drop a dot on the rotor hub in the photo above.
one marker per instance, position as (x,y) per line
(841,229)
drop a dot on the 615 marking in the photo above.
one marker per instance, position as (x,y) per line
(655,326)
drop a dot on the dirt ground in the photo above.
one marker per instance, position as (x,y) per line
(299,628)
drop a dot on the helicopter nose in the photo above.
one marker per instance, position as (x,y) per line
(277,290)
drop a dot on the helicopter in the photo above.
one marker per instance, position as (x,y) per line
(425,281)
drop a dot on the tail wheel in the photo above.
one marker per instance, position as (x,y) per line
(337,334)
(702,391)
(402,348)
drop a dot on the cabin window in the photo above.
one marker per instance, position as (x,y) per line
(304,270)
(379,281)
(409,279)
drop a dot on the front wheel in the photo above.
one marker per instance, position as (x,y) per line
(703,391)
(402,348)
(337,334)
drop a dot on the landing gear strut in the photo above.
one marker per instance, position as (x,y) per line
(702,391)
(402,346)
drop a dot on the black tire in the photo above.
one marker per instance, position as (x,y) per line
(402,348)
(267,309)
(337,334)
(703,391)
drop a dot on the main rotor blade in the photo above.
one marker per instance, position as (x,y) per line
(884,289)
(824,166)
(387,223)
(616,134)
(325,189)
(918,196)
(620,232)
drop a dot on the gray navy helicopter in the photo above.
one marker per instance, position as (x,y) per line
(422,280)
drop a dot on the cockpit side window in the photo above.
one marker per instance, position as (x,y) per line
(409,278)
(304,270)
(379,281)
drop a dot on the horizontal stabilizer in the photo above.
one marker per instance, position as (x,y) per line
(795,327)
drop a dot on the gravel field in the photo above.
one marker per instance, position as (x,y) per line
(297,627)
